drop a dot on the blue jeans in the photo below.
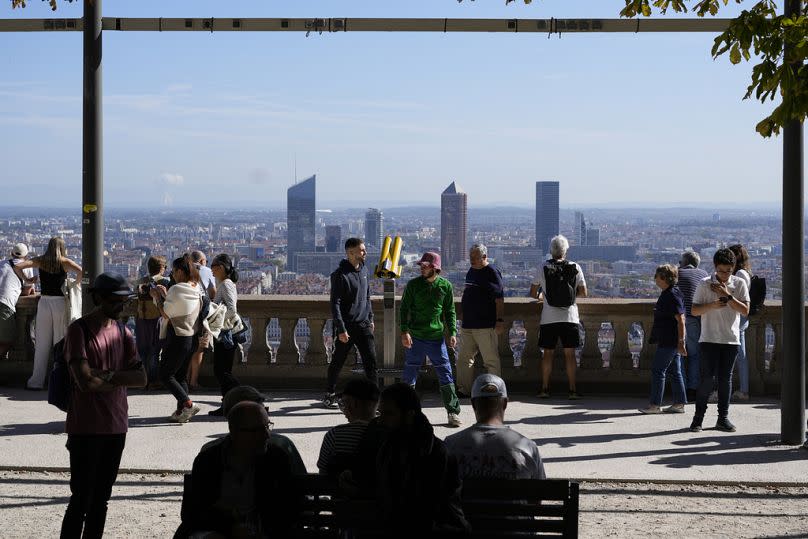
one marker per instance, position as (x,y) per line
(148,346)
(437,354)
(741,361)
(693,333)
(666,362)
(717,362)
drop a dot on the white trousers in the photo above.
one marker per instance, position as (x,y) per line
(50,329)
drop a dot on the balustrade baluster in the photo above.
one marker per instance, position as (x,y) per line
(591,358)
(316,353)
(287,353)
(531,356)
(620,358)
(504,346)
(260,352)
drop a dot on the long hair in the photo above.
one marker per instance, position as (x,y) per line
(51,260)
(741,258)
(226,263)
(187,266)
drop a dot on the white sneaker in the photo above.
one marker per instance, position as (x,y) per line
(173,417)
(739,395)
(651,409)
(713,397)
(454,420)
(187,413)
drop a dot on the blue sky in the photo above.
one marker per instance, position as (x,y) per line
(385,119)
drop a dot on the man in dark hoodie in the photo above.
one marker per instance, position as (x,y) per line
(352,316)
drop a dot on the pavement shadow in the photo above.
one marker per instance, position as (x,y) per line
(572,441)
(26,395)
(577,417)
(25,429)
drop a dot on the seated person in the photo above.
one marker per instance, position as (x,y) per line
(358,402)
(489,448)
(240,485)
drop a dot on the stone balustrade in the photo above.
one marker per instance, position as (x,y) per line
(291,363)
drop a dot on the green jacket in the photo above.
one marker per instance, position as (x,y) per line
(426,306)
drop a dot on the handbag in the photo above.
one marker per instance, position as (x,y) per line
(243,335)
(72,292)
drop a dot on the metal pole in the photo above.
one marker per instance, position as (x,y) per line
(792,383)
(390,344)
(92,195)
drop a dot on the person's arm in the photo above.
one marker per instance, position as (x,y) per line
(69,265)
(88,380)
(370,307)
(404,317)
(680,330)
(449,315)
(740,305)
(326,452)
(336,303)
(211,290)
(25,264)
(535,291)
(580,289)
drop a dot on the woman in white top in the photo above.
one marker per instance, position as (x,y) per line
(224,349)
(50,311)
(179,306)
(743,270)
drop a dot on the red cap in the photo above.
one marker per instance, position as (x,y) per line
(432,259)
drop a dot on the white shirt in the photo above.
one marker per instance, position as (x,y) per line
(498,452)
(553,315)
(721,326)
(10,286)
(205,278)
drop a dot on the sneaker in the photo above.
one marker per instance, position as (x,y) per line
(218,412)
(675,409)
(173,417)
(574,395)
(713,397)
(454,420)
(187,413)
(695,426)
(651,409)
(724,425)
(330,401)
(739,395)
(544,393)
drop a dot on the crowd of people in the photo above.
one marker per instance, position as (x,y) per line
(387,450)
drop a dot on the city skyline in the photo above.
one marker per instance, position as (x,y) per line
(422,108)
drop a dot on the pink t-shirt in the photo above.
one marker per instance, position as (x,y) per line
(102,412)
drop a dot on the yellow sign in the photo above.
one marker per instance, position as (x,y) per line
(90,208)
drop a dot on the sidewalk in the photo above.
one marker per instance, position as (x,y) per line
(603,439)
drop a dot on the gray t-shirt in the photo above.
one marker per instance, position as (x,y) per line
(206,278)
(496,452)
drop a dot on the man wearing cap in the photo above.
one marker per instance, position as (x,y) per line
(427,310)
(12,283)
(102,357)
(489,448)
(18,253)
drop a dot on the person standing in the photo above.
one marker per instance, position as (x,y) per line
(224,349)
(720,300)
(53,266)
(103,363)
(668,332)
(207,285)
(11,283)
(352,317)
(147,318)
(427,311)
(560,283)
(690,275)
(743,270)
(483,307)
(18,255)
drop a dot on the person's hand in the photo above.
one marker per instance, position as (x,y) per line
(499,328)
(718,304)
(347,484)
(343,337)
(453,341)
(372,327)
(204,340)
(720,289)
(682,349)
(406,340)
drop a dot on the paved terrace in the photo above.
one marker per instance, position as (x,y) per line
(638,471)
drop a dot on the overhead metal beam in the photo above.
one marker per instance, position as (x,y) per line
(211,24)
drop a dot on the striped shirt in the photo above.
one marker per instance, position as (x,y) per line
(339,447)
(689,279)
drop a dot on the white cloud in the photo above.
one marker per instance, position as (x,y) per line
(172,179)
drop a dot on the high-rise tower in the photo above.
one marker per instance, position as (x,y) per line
(453,225)
(374,229)
(300,219)
(546,214)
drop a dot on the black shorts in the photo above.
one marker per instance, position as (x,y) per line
(566,331)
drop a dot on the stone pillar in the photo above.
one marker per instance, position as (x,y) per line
(287,353)
(316,354)
(260,353)
(591,358)
(531,355)
(621,357)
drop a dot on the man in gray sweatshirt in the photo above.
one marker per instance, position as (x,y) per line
(352,316)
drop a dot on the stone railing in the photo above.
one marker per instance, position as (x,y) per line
(618,363)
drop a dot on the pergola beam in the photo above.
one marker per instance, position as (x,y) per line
(211,24)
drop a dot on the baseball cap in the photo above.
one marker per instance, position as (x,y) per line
(240,394)
(488,385)
(19,250)
(361,389)
(433,259)
(111,283)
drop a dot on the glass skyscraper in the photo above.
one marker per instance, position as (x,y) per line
(300,220)
(374,229)
(453,225)
(546,214)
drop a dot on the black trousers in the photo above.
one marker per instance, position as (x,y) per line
(174,365)
(361,336)
(223,367)
(717,361)
(94,462)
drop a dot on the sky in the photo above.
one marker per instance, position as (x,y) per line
(384,119)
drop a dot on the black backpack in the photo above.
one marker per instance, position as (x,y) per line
(757,294)
(559,278)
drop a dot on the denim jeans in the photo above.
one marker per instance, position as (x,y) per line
(94,462)
(693,333)
(148,345)
(717,361)
(666,362)
(439,356)
(742,361)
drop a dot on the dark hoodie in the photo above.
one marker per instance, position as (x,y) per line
(350,296)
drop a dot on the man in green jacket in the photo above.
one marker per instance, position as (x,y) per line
(428,304)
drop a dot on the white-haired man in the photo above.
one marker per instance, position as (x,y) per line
(560,282)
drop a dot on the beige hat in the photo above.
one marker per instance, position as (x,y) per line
(20,250)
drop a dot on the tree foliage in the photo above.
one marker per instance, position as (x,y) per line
(777,42)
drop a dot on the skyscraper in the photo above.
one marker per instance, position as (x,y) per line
(546,214)
(333,238)
(580,229)
(374,229)
(453,225)
(300,219)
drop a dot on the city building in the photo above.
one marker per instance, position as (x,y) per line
(547,199)
(592,236)
(300,219)
(453,225)
(333,239)
(374,229)
(580,229)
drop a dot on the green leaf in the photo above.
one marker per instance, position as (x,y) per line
(735,54)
